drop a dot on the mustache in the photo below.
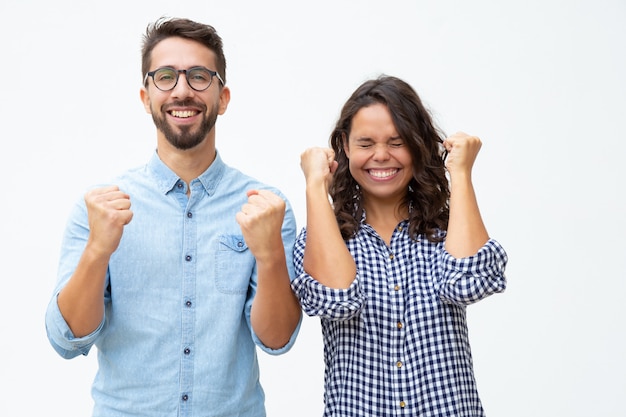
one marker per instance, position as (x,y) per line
(185,103)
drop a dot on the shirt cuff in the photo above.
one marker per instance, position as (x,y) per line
(61,336)
(281,350)
(328,303)
(470,279)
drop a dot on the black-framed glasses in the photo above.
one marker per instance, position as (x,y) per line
(198,78)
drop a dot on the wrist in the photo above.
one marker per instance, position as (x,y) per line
(316,187)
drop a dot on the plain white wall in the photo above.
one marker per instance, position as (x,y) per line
(540,81)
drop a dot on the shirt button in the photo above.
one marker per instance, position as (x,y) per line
(396,288)
(179,185)
(188,303)
(240,244)
(402,404)
(399,364)
(185,397)
(187,351)
(399,325)
(189,214)
(391,256)
(188,258)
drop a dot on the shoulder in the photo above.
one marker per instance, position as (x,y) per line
(236,178)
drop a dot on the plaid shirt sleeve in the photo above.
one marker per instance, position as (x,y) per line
(317,299)
(467,280)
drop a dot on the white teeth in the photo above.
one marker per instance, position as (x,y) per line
(183,114)
(382,173)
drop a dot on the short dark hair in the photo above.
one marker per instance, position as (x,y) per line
(165,28)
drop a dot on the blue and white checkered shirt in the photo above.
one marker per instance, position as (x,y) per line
(396,342)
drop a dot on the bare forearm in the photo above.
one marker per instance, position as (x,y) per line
(81,301)
(466,230)
(326,257)
(275,309)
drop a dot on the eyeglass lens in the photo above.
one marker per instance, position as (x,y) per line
(198,78)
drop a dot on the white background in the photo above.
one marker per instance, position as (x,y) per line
(540,81)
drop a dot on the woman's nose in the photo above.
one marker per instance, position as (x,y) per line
(381,152)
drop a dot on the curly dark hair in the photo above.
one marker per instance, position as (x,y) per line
(165,28)
(428,193)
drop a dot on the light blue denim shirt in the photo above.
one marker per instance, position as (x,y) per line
(175,339)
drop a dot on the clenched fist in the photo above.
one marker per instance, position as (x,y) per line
(261,219)
(462,151)
(108,211)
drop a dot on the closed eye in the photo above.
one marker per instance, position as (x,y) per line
(396,143)
(364,143)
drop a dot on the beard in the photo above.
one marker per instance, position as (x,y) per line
(185,137)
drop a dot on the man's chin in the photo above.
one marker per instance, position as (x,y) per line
(183,139)
(185,144)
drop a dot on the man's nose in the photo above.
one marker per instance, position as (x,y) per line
(182,88)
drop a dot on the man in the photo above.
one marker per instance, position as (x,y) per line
(182,267)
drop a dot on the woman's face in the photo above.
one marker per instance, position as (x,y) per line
(379,158)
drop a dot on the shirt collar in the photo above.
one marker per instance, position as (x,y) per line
(167,179)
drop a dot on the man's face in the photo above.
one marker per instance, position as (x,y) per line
(183,116)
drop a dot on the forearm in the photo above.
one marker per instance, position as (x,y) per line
(81,301)
(466,231)
(326,257)
(275,310)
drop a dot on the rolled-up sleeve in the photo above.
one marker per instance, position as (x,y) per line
(59,333)
(467,280)
(318,300)
(61,337)
(328,303)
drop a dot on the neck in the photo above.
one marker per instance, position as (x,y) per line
(389,210)
(385,217)
(188,164)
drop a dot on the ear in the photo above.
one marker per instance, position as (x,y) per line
(224,100)
(145,99)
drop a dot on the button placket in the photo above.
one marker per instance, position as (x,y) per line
(189,251)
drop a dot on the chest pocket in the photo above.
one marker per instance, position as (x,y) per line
(234,265)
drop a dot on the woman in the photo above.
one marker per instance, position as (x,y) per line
(391,260)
